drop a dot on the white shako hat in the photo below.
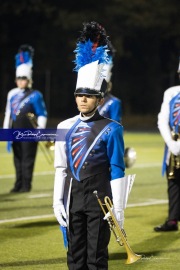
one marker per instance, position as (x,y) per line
(24,61)
(91,58)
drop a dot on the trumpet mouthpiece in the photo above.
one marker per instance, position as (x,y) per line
(95,192)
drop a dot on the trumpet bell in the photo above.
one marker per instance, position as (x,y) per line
(132,258)
(129,157)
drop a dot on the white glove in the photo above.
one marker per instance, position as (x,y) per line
(59,210)
(119,215)
(121,188)
(174,147)
(60,214)
(41,122)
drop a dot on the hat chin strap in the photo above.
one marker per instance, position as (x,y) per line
(93,110)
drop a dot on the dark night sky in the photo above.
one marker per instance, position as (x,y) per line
(145,35)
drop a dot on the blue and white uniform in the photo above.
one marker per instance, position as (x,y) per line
(87,148)
(168,121)
(19,103)
(89,158)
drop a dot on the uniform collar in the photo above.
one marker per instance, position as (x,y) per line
(94,117)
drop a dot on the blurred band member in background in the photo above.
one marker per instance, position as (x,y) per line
(21,101)
(169,127)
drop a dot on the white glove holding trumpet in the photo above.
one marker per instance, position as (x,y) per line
(121,188)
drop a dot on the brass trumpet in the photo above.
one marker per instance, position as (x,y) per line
(119,233)
(174,162)
(46,147)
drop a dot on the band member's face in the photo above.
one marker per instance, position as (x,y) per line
(87,104)
(22,82)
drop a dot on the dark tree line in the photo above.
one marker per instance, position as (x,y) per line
(145,34)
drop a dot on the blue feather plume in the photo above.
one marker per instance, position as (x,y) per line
(23,57)
(86,55)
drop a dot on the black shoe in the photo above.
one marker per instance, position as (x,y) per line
(167,227)
(25,190)
(15,190)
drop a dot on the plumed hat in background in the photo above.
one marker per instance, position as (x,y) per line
(91,56)
(107,70)
(24,61)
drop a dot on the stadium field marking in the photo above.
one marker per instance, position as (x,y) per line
(153,202)
(45,195)
(142,165)
(35,174)
(154,258)
(26,218)
(148,165)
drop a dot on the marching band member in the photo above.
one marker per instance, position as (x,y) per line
(169,123)
(89,158)
(20,101)
(112,106)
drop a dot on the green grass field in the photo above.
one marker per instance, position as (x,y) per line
(29,234)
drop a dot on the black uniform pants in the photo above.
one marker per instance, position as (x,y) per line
(24,159)
(89,233)
(174,196)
